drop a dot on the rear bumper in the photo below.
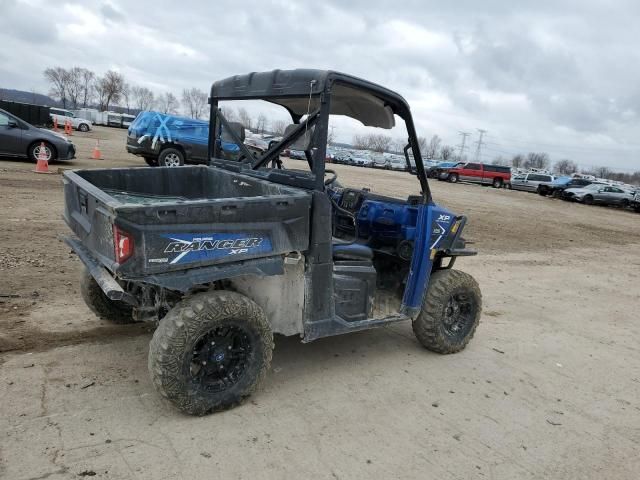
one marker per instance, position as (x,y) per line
(101,275)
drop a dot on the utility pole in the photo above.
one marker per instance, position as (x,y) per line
(479,142)
(462,145)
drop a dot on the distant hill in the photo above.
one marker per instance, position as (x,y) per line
(27,97)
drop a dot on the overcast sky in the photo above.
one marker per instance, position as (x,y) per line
(560,77)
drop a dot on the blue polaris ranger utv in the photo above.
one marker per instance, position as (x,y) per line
(224,255)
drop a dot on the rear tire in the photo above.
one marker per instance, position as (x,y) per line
(453,178)
(497,183)
(210,352)
(171,157)
(83,127)
(450,312)
(113,311)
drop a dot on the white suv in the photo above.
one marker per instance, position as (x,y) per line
(63,115)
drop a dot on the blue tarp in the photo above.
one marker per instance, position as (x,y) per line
(160,128)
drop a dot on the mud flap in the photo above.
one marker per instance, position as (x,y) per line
(101,275)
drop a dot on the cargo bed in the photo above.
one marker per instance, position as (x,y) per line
(183,218)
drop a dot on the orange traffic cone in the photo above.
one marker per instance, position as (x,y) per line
(70,132)
(96,151)
(55,125)
(43,161)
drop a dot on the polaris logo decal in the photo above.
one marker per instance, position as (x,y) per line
(195,247)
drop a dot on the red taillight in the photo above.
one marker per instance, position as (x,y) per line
(123,244)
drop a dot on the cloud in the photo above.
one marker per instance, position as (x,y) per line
(559,72)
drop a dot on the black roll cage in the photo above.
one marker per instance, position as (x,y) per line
(318,89)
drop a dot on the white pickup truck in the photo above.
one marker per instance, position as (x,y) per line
(62,115)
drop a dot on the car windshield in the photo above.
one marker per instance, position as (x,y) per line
(593,186)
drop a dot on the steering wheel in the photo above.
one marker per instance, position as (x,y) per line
(333,178)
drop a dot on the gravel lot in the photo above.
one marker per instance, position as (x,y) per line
(548,388)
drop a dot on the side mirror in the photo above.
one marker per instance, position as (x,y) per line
(12,124)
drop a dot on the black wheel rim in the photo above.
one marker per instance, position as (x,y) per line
(458,315)
(220,358)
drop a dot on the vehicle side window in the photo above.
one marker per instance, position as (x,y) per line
(538,178)
(69,114)
(4,120)
(616,190)
(473,166)
(54,111)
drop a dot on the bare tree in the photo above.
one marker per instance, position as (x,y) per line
(602,172)
(261,123)
(500,160)
(245,118)
(380,142)
(127,96)
(433,147)
(361,142)
(229,113)
(447,152)
(565,167)
(517,161)
(194,102)
(422,145)
(87,77)
(58,78)
(75,86)
(143,98)
(109,88)
(399,143)
(537,160)
(279,126)
(101,93)
(168,103)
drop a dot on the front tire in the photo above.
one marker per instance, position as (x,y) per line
(497,183)
(49,151)
(450,312)
(113,311)
(453,178)
(210,352)
(588,200)
(171,157)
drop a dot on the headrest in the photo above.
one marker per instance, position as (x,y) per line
(304,141)
(237,128)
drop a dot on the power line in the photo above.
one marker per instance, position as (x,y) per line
(462,144)
(479,142)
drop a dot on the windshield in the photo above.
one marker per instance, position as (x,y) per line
(276,141)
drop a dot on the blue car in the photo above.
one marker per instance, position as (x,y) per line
(171,141)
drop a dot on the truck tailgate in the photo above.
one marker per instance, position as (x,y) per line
(175,220)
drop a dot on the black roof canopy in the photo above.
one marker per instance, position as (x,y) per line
(367,102)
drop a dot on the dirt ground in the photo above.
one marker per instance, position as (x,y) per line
(548,388)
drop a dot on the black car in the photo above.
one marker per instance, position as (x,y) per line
(22,140)
(559,185)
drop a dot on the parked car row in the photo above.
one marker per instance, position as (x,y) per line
(583,190)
